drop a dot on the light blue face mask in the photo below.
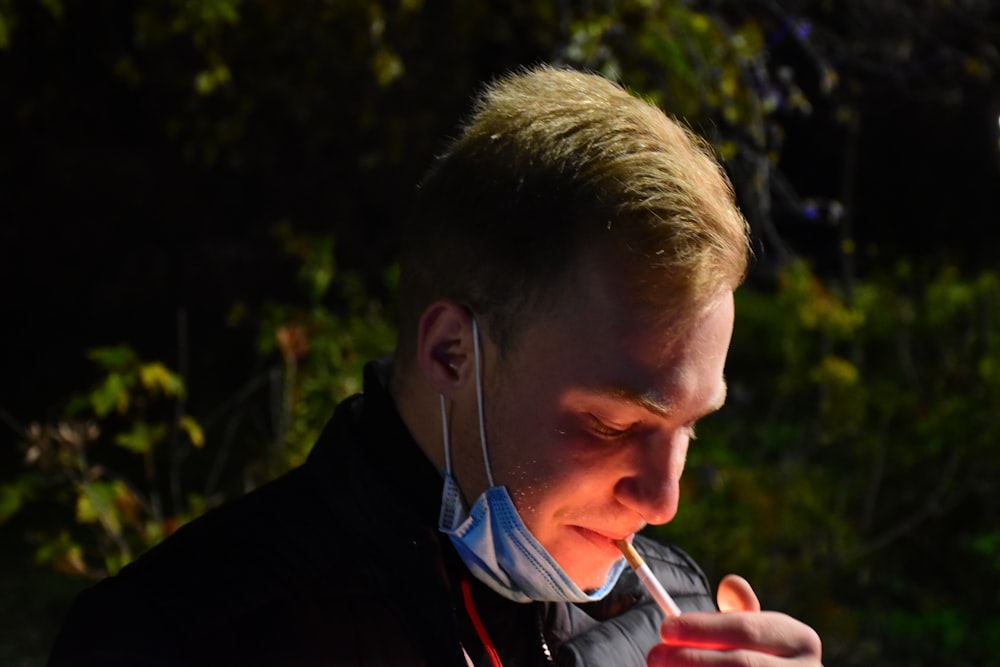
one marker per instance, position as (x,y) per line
(492,540)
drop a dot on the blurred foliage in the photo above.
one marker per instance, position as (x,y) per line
(132,414)
(322,351)
(316,358)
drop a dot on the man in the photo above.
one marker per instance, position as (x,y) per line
(566,294)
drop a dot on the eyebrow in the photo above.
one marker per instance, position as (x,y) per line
(648,401)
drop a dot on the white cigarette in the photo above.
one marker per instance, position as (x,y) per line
(645,575)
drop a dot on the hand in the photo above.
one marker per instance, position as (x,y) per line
(741,636)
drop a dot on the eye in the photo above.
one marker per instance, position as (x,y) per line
(607,431)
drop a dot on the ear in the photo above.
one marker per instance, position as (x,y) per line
(445,349)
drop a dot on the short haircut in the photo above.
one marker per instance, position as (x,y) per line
(552,164)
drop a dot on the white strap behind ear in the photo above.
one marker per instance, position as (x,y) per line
(444,434)
(482,415)
(479,404)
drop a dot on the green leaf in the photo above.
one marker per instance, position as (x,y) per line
(193,430)
(219,11)
(12,497)
(142,438)
(157,377)
(987,544)
(388,67)
(110,395)
(207,81)
(115,358)
(63,554)
(78,405)
(95,502)
(113,562)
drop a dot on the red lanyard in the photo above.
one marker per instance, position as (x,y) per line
(478,624)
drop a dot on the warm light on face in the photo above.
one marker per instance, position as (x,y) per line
(590,422)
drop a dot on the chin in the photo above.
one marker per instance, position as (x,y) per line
(590,579)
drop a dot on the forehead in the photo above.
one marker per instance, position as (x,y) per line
(597,339)
(600,297)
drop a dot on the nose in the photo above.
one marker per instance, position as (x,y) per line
(651,485)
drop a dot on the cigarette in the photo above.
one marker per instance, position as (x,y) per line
(645,575)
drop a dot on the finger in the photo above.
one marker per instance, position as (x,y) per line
(736,594)
(765,633)
(663,655)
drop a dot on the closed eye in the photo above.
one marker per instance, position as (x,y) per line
(607,431)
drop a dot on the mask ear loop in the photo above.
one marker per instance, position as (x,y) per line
(444,433)
(479,403)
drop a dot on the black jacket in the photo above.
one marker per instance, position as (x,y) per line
(339,562)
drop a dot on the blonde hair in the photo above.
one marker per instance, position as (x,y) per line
(554,163)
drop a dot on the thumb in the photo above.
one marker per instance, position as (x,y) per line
(736,594)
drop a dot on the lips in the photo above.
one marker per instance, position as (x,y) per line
(603,541)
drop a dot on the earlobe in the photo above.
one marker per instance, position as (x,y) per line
(445,346)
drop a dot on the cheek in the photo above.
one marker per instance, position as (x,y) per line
(547,464)
(524,445)
(567,484)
